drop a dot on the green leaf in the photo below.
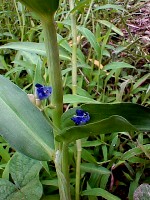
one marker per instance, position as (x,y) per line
(69,98)
(87,156)
(134,183)
(91,38)
(105,118)
(112,124)
(110,6)
(92,168)
(134,152)
(33,47)
(110,25)
(22,124)
(117,65)
(23,169)
(101,111)
(42,8)
(100,192)
(33,191)
(140,81)
(53,182)
(25,174)
(127,110)
(81,5)
(6,189)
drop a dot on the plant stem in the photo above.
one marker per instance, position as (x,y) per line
(54,69)
(21,22)
(88,13)
(65,167)
(74,91)
(74,49)
(57,100)
(78,162)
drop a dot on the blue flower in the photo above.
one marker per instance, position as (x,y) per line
(81,117)
(43,92)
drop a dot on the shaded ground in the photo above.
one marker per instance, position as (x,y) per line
(139,24)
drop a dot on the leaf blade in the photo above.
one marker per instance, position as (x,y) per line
(22,124)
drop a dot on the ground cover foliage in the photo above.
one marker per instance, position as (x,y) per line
(113,65)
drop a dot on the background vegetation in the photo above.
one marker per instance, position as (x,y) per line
(113,66)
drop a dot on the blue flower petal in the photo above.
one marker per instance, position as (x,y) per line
(43,92)
(80,112)
(81,117)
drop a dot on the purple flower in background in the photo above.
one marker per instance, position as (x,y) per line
(42,92)
(81,117)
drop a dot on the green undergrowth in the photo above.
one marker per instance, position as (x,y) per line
(113,67)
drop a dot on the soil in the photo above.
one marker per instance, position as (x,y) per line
(139,24)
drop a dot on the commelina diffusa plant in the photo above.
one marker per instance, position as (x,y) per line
(45,140)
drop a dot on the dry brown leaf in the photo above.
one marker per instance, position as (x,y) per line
(97,63)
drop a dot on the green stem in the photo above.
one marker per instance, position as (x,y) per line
(65,167)
(78,162)
(88,13)
(74,91)
(54,69)
(74,50)
(21,22)
(56,100)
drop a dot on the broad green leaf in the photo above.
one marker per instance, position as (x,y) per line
(42,8)
(117,65)
(69,98)
(93,168)
(105,118)
(22,124)
(23,169)
(127,110)
(101,193)
(25,174)
(101,111)
(112,124)
(33,190)
(6,189)
(112,26)
(33,47)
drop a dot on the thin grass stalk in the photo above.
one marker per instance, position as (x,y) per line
(88,13)
(21,22)
(74,91)
(74,49)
